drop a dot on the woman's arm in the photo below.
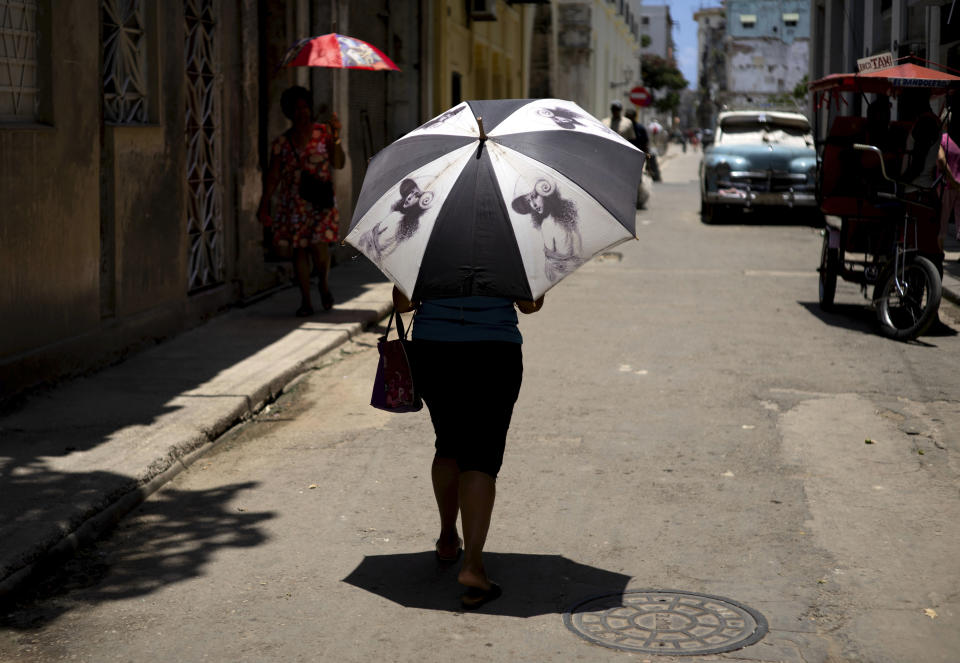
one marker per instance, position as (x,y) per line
(945,169)
(339,158)
(270,184)
(526,306)
(400,301)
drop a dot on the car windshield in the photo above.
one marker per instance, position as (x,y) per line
(756,129)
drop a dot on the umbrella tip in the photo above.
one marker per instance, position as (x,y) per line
(483,134)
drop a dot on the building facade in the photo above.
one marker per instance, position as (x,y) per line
(479,50)
(767,50)
(711,64)
(134,136)
(843,32)
(598,52)
(657,25)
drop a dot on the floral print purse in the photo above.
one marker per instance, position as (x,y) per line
(393,388)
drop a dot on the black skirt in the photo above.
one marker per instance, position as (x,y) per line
(470,389)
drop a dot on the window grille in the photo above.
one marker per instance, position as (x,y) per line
(19,80)
(124,62)
(204,193)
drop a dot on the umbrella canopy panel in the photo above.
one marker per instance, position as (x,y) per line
(338,51)
(446,212)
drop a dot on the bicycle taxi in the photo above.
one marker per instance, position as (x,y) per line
(883,219)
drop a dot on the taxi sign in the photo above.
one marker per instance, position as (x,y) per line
(874,62)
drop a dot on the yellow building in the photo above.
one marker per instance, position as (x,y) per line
(478,53)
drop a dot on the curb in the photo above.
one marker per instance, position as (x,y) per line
(180,454)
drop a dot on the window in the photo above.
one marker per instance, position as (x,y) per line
(748,20)
(456,94)
(19,66)
(791,20)
(124,62)
(645,20)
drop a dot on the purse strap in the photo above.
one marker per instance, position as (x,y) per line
(401,331)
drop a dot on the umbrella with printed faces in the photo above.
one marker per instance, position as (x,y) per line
(338,51)
(499,198)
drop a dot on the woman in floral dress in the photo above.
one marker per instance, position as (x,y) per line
(301,231)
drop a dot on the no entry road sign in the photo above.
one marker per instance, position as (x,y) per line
(640,96)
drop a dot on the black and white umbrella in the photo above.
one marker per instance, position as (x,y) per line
(496,198)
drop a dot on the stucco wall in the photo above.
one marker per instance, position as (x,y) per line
(488,55)
(595,50)
(766,66)
(49,197)
(93,235)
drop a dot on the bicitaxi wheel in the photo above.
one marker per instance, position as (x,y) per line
(907,314)
(829,266)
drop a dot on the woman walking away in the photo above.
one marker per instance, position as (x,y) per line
(306,221)
(467,365)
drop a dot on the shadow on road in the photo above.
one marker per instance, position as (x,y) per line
(174,536)
(775,216)
(860,317)
(49,486)
(532,584)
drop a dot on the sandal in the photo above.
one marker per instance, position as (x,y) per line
(450,560)
(326,298)
(475,597)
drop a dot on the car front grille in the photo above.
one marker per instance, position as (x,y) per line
(769,181)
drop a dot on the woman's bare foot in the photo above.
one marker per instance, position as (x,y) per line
(471,578)
(449,547)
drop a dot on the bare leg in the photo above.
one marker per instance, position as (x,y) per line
(301,267)
(446,488)
(478,491)
(321,259)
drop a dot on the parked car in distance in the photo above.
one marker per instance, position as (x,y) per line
(758,158)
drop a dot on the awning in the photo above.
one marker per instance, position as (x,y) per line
(748,18)
(791,18)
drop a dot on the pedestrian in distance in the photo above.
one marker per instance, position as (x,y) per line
(299,188)
(467,364)
(617,122)
(643,139)
(654,129)
(642,143)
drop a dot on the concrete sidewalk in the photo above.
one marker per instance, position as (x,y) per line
(74,460)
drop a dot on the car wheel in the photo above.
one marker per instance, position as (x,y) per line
(708,212)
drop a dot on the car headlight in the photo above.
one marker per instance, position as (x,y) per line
(722,170)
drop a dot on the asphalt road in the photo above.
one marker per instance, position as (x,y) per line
(689,421)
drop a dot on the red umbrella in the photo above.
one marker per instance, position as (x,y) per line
(340,51)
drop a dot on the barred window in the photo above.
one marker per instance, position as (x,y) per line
(124,62)
(19,93)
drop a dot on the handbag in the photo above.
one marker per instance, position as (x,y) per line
(315,191)
(393,388)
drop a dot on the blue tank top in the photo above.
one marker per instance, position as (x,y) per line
(461,319)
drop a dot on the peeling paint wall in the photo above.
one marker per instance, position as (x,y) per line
(767,50)
(764,67)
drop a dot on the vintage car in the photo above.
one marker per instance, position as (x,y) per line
(758,158)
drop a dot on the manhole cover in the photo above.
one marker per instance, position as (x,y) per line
(666,622)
